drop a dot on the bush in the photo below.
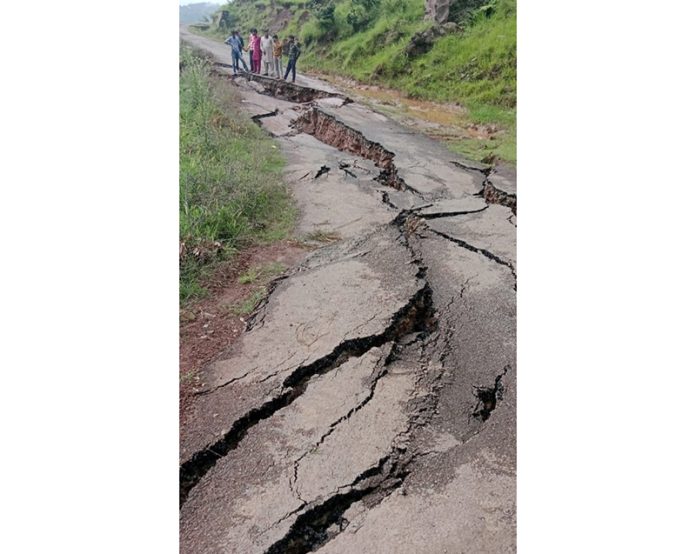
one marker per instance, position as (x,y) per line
(358,18)
(326,19)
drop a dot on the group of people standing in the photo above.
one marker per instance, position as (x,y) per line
(267,50)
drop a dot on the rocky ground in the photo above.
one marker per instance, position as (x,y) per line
(370,404)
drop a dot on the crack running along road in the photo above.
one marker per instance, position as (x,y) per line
(423,475)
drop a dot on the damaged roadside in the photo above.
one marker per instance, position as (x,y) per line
(370,404)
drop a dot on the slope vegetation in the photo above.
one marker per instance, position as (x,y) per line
(470,61)
(231,193)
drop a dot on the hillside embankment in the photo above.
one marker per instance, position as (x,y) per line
(447,65)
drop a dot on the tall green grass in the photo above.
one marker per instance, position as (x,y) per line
(231,192)
(475,66)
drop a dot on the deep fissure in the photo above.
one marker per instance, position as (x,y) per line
(415,316)
(333,132)
(488,254)
(450,214)
(494,195)
(284,89)
(325,521)
(257,118)
(467,167)
(488,397)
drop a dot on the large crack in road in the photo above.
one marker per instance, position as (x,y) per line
(365,409)
(331,131)
(410,318)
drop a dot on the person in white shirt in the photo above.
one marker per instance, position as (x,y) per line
(267,52)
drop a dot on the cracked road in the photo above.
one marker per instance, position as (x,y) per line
(370,406)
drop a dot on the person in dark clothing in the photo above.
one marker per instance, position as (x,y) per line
(293,53)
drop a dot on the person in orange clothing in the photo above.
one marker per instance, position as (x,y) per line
(278,57)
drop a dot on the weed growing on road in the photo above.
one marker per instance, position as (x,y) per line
(249,276)
(322,236)
(248,305)
(231,192)
(264,272)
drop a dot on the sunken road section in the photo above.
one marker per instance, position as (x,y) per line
(370,406)
(333,132)
(285,90)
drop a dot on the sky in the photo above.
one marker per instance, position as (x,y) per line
(185,2)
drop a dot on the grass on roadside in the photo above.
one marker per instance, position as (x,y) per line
(263,272)
(503,147)
(475,67)
(231,192)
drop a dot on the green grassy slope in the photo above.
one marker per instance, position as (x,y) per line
(474,66)
(231,192)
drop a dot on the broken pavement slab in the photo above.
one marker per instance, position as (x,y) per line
(501,187)
(422,163)
(461,490)
(296,459)
(316,316)
(344,201)
(470,515)
(504,178)
(452,207)
(489,231)
(370,406)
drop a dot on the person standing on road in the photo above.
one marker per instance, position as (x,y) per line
(293,53)
(236,42)
(267,52)
(255,51)
(277,57)
(251,54)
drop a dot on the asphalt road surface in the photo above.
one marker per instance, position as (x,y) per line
(370,406)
